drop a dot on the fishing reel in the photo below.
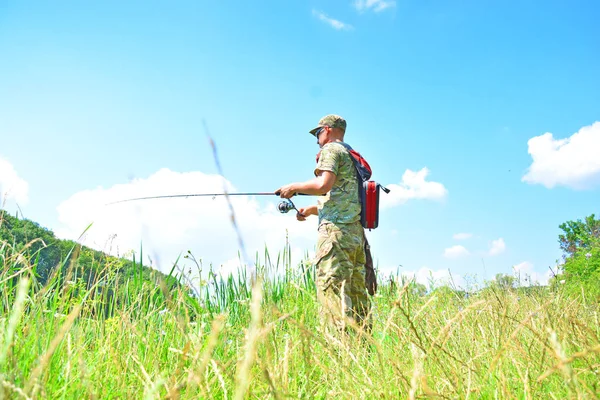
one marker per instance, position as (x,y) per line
(286,206)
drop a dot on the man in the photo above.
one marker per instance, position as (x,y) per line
(340,254)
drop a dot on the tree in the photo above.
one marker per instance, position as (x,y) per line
(505,281)
(581,245)
(579,235)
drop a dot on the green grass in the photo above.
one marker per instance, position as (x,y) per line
(148,340)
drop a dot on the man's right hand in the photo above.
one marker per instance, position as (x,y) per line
(300,215)
(305,212)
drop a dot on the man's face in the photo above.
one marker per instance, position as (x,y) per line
(321,135)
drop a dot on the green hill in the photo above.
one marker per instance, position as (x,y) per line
(53,262)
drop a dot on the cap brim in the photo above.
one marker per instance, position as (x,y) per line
(314,131)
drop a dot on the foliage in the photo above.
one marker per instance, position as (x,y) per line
(33,240)
(579,235)
(49,252)
(56,262)
(582,271)
(504,281)
(581,268)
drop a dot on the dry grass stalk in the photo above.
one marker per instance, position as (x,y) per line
(417,371)
(31,386)
(512,337)
(13,321)
(568,360)
(219,376)
(252,338)
(14,389)
(213,339)
(447,330)
(286,364)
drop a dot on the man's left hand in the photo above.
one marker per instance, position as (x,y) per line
(287,191)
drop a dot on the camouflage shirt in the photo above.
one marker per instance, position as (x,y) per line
(341,205)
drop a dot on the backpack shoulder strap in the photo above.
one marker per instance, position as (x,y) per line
(346,145)
(363,169)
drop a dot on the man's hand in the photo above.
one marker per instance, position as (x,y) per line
(300,216)
(287,191)
(305,212)
(315,187)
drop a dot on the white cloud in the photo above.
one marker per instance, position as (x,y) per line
(456,252)
(462,236)
(431,278)
(413,186)
(334,23)
(571,162)
(169,227)
(374,5)
(497,247)
(11,185)
(528,276)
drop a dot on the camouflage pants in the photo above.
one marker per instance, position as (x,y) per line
(340,269)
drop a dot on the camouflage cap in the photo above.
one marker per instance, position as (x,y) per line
(331,120)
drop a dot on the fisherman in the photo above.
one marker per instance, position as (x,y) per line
(340,254)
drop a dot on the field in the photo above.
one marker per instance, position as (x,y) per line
(141,339)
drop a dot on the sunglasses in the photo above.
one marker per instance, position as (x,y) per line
(317,133)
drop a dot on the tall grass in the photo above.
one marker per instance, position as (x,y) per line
(231,340)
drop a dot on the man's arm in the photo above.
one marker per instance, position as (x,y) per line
(317,186)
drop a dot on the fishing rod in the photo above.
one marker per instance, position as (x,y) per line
(284,206)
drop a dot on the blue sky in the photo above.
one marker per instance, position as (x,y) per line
(97,98)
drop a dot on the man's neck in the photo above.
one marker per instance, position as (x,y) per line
(335,140)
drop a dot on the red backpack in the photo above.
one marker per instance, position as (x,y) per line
(368,190)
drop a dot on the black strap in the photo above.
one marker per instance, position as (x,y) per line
(358,177)
(348,148)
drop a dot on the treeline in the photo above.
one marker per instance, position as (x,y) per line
(580,269)
(33,246)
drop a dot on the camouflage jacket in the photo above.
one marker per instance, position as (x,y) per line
(341,205)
